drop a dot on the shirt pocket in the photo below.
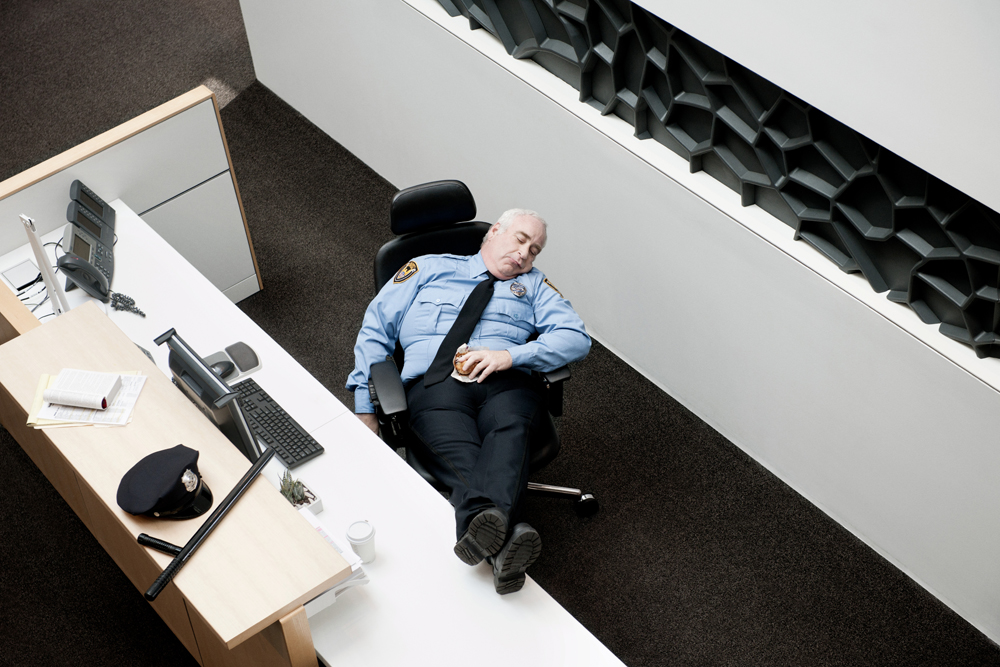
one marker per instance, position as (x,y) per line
(510,318)
(436,309)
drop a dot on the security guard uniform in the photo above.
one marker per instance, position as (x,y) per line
(474,435)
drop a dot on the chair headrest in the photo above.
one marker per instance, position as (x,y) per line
(431,205)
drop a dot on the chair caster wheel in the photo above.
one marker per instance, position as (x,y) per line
(586,506)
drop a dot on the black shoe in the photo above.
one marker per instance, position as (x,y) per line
(484,537)
(522,549)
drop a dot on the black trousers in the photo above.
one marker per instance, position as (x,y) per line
(473,437)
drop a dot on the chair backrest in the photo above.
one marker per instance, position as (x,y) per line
(434,218)
(430,218)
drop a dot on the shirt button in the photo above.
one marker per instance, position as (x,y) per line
(437,300)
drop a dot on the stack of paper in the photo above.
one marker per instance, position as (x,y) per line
(118,391)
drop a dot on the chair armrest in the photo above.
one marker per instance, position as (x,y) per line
(552,383)
(560,374)
(386,388)
(389,396)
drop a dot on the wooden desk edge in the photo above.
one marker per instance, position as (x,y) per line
(288,610)
(284,621)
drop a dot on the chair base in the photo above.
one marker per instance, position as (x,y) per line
(586,504)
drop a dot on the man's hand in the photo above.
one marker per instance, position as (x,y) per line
(370,420)
(482,363)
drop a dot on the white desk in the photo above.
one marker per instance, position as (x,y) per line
(422,604)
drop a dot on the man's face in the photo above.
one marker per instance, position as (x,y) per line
(512,252)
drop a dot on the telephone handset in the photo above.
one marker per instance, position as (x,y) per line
(87,263)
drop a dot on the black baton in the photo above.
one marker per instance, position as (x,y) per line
(178,562)
(160,545)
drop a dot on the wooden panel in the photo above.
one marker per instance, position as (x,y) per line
(39,449)
(138,565)
(243,289)
(257,651)
(240,580)
(298,641)
(15,318)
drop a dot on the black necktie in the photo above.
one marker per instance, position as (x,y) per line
(460,332)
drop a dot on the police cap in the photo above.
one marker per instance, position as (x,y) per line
(167,485)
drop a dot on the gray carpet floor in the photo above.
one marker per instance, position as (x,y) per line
(699,556)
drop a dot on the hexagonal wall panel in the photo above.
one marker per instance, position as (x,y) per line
(865,208)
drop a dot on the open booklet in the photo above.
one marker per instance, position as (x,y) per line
(83,389)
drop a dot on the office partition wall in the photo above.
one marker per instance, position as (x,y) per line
(172,165)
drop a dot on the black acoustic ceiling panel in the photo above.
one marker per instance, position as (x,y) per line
(868,210)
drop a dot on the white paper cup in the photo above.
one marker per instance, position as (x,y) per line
(361,535)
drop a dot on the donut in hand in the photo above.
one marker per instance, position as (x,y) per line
(462,349)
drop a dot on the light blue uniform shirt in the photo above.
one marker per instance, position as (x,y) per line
(418,307)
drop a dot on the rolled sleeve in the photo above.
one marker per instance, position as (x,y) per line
(362,400)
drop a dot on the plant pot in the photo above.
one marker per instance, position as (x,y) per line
(312,501)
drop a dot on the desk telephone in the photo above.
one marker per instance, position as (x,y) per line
(88,261)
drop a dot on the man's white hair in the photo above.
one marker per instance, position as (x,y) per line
(508,217)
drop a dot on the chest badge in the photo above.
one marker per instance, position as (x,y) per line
(518,290)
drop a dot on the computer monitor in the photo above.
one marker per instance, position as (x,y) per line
(55,291)
(210,393)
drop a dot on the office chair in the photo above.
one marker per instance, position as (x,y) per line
(437,218)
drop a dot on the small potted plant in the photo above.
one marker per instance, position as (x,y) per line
(299,495)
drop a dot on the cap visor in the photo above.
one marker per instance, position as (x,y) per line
(201,503)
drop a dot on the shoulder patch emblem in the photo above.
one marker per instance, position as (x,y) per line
(404,273)
(553,287)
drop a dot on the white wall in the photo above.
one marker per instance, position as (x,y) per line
(920,77)
(880,421)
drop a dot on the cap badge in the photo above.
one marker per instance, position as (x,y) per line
(518,289)
(190,480)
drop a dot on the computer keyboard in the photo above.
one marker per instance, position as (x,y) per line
(269,422)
